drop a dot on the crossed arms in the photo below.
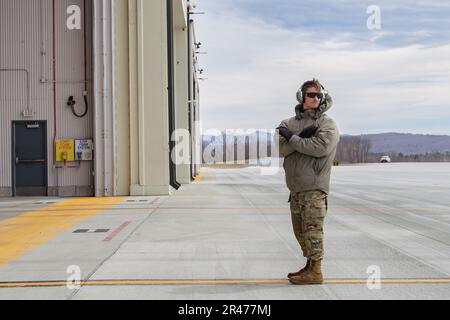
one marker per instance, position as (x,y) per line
(318,146)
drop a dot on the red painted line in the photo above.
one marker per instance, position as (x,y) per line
(155,201)
(117,231)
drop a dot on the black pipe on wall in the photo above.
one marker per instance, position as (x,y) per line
(171,88)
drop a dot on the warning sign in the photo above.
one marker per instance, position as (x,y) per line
(83,150)
(65,150)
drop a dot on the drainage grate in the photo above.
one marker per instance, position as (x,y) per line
(45,202)
(102,231)
(137,201)
(92,231)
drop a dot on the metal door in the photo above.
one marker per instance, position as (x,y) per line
(29,163)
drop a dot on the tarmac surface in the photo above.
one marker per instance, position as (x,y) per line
(229,236)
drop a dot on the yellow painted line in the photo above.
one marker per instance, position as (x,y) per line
(387,281)
(20,235)
(206,282)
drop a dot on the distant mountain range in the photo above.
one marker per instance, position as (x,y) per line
(408,144)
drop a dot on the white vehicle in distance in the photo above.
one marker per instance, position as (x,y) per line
(386,159)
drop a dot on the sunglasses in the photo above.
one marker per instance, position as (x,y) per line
(313,95)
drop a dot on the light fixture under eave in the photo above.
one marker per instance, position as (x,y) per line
(191,5)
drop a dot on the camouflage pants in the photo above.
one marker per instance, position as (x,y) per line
(309,210)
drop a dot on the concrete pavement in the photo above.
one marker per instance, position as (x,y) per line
(229,236)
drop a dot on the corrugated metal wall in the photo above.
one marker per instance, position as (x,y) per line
(26,43)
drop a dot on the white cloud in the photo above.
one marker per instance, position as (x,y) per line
(254,70)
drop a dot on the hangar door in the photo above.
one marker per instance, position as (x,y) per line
(29,163)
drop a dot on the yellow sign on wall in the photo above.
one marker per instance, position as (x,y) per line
(65,150)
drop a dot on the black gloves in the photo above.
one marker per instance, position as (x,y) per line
(309,132)
(285,133)
(306,134)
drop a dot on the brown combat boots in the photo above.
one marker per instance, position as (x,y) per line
(312,276)
(299,273)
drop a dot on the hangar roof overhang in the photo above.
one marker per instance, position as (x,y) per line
(180,13)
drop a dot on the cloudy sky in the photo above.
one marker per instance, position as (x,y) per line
(396,79)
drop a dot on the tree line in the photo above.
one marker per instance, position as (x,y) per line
(351,150)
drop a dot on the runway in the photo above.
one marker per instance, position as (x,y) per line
(229,236)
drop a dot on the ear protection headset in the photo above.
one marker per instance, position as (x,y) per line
(301,95)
